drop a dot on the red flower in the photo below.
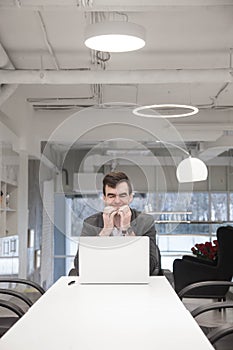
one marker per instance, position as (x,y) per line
(206,250)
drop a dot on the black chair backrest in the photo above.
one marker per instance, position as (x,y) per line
(225,256)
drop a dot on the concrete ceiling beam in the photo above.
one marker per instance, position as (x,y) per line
(147,76)
(112,5)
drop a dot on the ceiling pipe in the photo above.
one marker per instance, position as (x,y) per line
(148,76)
(47,42)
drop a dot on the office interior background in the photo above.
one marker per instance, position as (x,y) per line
(66,118)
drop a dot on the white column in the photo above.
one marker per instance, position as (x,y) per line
(23,212)
(47,246)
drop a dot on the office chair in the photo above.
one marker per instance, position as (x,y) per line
(189,291)
(18,295)
(189,270)
(12,282)
(212,306)
(19,303)
(6,322)
(22,281)
(214,327)
(218,332)
(73,272)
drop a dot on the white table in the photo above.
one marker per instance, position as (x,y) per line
(107,317)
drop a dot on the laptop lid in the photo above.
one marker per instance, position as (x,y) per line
(114,260)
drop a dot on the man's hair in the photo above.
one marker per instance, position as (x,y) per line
(114,178)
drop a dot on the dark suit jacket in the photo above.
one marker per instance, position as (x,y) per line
(142,225)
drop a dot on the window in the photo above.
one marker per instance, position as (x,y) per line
(174,238)
(218,206)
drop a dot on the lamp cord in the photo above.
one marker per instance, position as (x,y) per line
(174,145)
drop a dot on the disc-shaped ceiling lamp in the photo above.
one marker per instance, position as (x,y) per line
(116,36)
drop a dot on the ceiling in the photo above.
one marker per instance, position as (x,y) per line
(47,73)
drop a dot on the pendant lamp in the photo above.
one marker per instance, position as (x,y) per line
(190,169)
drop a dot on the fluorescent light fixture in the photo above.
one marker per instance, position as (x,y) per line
(190,169)
(116,36)
(193,110)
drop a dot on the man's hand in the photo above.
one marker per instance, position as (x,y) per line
(108,218)
(109,209)
(125,217)
(120,218)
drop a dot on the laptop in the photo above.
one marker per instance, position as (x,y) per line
(114,260)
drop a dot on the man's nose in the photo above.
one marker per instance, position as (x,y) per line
(117,199)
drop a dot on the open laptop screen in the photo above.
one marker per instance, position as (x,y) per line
(114,259)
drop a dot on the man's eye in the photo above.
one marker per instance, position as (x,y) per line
(123,195)
(111,196)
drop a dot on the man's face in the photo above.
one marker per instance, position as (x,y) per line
(119,196)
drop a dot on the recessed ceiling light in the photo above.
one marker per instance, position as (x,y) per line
(117,36)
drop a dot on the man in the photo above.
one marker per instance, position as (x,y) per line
(118,219)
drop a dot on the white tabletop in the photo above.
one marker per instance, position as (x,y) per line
(107,317)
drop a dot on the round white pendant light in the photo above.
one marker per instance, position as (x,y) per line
(117,36)
(138,111)
(191,170)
